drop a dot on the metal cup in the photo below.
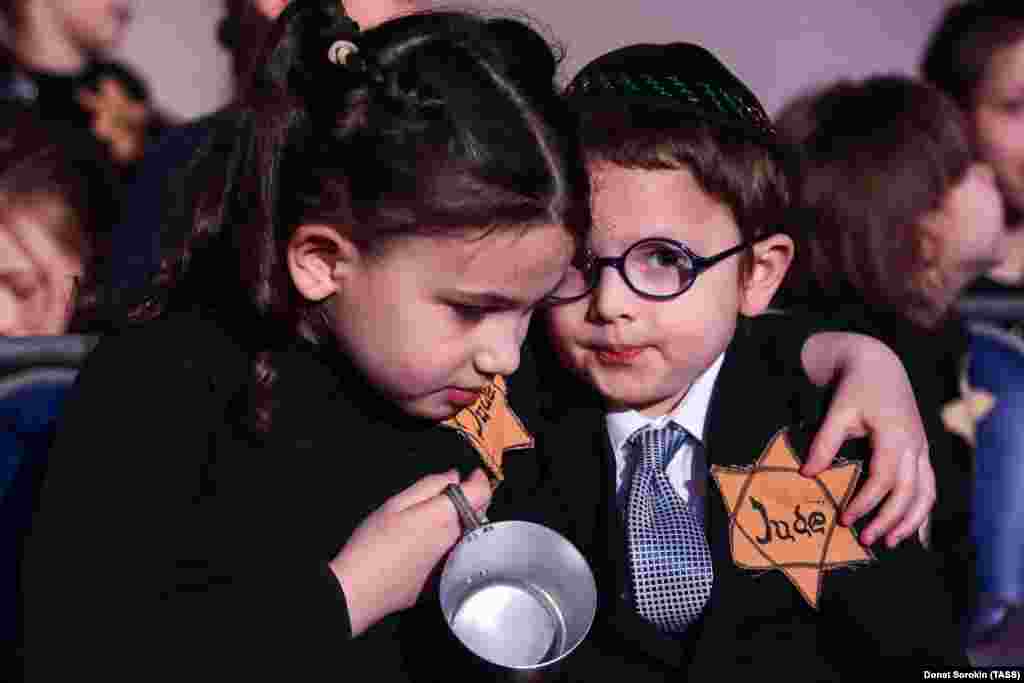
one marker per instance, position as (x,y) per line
(517,594)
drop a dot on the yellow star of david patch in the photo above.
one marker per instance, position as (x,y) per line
(492,427)
(119,118)
(782,520)
(961,416)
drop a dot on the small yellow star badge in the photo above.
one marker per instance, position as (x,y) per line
(491,427)
(119,118)
(961,416)
(780,519)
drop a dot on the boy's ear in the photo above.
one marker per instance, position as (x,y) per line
(771,258)
(319,259)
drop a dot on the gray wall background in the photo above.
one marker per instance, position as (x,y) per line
(777,47)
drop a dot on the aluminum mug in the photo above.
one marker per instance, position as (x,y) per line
(517,594)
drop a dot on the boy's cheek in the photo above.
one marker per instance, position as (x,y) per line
(563,336)
(569,354)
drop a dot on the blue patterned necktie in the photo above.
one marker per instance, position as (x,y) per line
(669,558)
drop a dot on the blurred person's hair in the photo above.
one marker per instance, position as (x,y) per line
(9,11)
(875,157)
(61,175)
(961,46)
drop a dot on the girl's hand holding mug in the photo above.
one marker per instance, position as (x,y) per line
(386,562)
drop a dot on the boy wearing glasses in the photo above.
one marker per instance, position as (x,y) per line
(714,555)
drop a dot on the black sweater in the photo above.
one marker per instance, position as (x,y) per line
(172,543)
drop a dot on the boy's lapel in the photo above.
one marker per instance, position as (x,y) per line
(743,416)
(724,443)
(675,652)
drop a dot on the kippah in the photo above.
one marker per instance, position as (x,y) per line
(680,76)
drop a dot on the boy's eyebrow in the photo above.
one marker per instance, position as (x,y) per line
(613,230)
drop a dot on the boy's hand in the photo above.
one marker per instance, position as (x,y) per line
(873,398)
(385,564)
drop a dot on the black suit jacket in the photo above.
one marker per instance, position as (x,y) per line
(893,611)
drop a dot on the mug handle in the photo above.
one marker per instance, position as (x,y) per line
(470,519)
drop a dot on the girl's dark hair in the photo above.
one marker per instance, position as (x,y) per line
(242,31)
(46,164)
(9,12)
(443,121)
(876,156)
(960,48)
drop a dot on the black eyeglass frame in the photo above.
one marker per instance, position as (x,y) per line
(595,264)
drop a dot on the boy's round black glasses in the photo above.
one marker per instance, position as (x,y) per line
(655,268)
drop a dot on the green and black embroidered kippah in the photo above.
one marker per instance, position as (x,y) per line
(680,76)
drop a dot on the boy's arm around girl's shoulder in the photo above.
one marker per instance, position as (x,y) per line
(896,607)
(136,568)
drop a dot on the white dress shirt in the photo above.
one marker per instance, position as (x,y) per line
(687,468)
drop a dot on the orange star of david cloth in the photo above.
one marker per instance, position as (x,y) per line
(961,416)
(491,427)
(779,519)
(119,119)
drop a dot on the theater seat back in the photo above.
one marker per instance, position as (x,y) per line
(36,373)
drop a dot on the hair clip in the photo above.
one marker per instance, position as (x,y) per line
(340,51)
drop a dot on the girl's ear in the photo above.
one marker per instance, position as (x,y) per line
(370,13)
(271,8)
(771,259)
(319,260)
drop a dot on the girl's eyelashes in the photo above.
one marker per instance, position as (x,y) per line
(22,284)
(1014,106)
(476,312)
(471,312)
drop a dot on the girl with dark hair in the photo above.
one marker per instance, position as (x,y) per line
(375,225)
(245,25)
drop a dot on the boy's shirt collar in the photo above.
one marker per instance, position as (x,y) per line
(690,414)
